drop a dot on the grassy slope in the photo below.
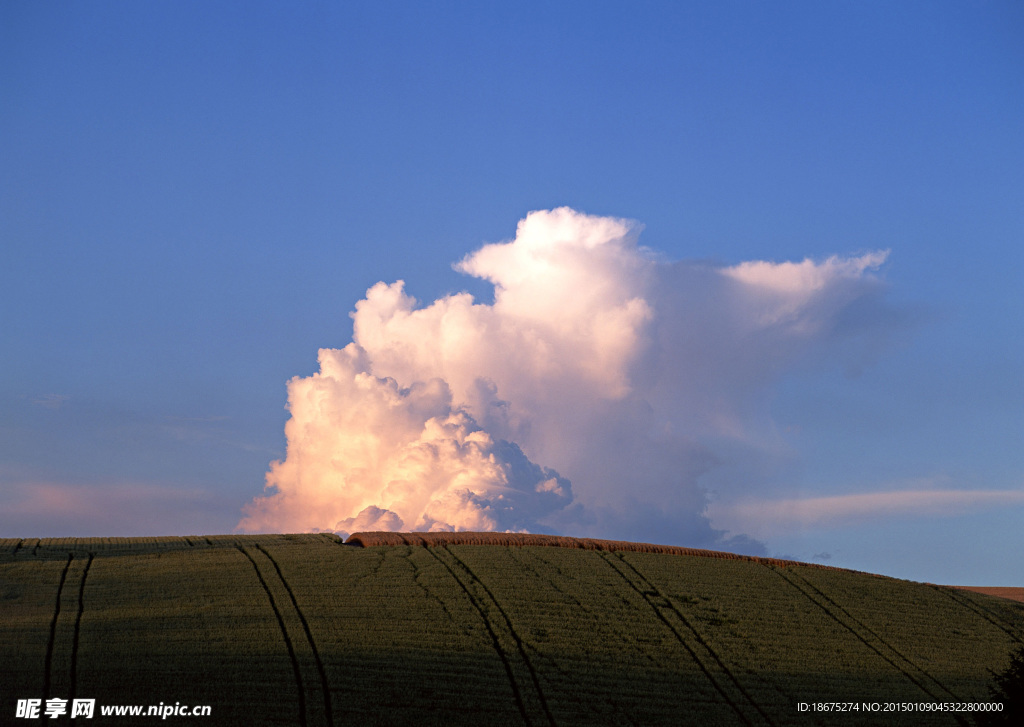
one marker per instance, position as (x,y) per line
(303,630)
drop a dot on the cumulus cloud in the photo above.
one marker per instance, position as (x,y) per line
(589,398)
(367,454)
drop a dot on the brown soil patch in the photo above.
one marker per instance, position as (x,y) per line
(1011,592)
(530,539)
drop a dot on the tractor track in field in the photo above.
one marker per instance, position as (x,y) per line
(993,618)
(516,692)
(552,662)
(583,705)
(429,593)
(579,604)
(867,636)
(328,712)
(300,661)
(284,632)
(375,569)
(515,636)
(662,605)
(78,626)
(61,660)
(466,583)
(48,664)
(623,716)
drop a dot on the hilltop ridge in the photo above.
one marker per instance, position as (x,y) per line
(304,629)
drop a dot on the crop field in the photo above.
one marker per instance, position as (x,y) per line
(305,630)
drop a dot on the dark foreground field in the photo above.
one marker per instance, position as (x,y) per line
(303,630)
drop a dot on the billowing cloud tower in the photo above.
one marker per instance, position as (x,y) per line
(589,398)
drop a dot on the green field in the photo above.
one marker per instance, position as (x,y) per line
(304,630)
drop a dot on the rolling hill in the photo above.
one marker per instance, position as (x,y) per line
(482,630)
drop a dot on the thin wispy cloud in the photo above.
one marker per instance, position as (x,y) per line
(768,517)
(61,509)
(51,401)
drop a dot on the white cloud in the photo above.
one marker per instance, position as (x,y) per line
(629,376)
(364,452)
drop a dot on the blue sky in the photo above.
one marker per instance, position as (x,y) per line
(194,196)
